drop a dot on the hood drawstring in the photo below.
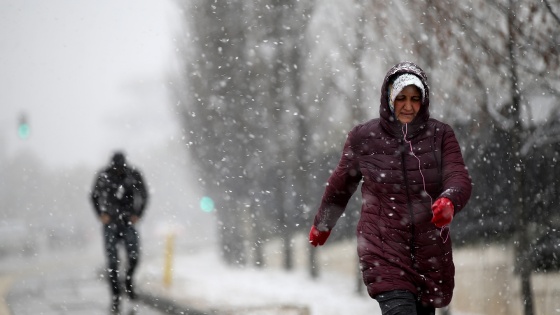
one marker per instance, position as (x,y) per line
(445,227)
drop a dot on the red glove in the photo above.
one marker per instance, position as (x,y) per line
(317,237)
(443,210)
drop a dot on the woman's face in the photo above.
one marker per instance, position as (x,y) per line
(407,104)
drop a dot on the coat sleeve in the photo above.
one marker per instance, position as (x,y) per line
(457,184)
(340,186)
(96,193)
(140,193)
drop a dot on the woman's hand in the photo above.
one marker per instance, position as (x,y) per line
(317,237)
(443,210)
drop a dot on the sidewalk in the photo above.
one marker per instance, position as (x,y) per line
(71,283)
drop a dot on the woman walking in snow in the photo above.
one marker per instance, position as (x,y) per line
(414,183)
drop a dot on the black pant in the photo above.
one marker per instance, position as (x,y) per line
(401,302)
(114,234)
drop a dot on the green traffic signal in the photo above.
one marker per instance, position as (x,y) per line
(23,131)
(207,204)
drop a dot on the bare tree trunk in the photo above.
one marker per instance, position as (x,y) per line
(313,265)
(359,279)
(358,112)
(522,244)
(283,227)
(257,239)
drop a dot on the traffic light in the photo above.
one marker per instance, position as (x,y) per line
(23,130)
(207,204)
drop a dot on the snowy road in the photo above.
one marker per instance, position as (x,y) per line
(68,283)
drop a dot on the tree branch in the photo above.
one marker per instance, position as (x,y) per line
(549,7)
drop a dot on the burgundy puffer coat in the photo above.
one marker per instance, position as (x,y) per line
(404,168)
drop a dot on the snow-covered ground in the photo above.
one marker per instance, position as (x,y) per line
(202,280)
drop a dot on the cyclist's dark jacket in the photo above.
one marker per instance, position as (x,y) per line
(120,192)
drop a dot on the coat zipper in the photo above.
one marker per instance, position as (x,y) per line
(410,211)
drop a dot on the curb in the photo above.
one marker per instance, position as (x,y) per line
(169,306)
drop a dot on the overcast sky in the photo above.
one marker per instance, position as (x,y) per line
(90,76)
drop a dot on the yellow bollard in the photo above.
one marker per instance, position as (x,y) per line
(168,260)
